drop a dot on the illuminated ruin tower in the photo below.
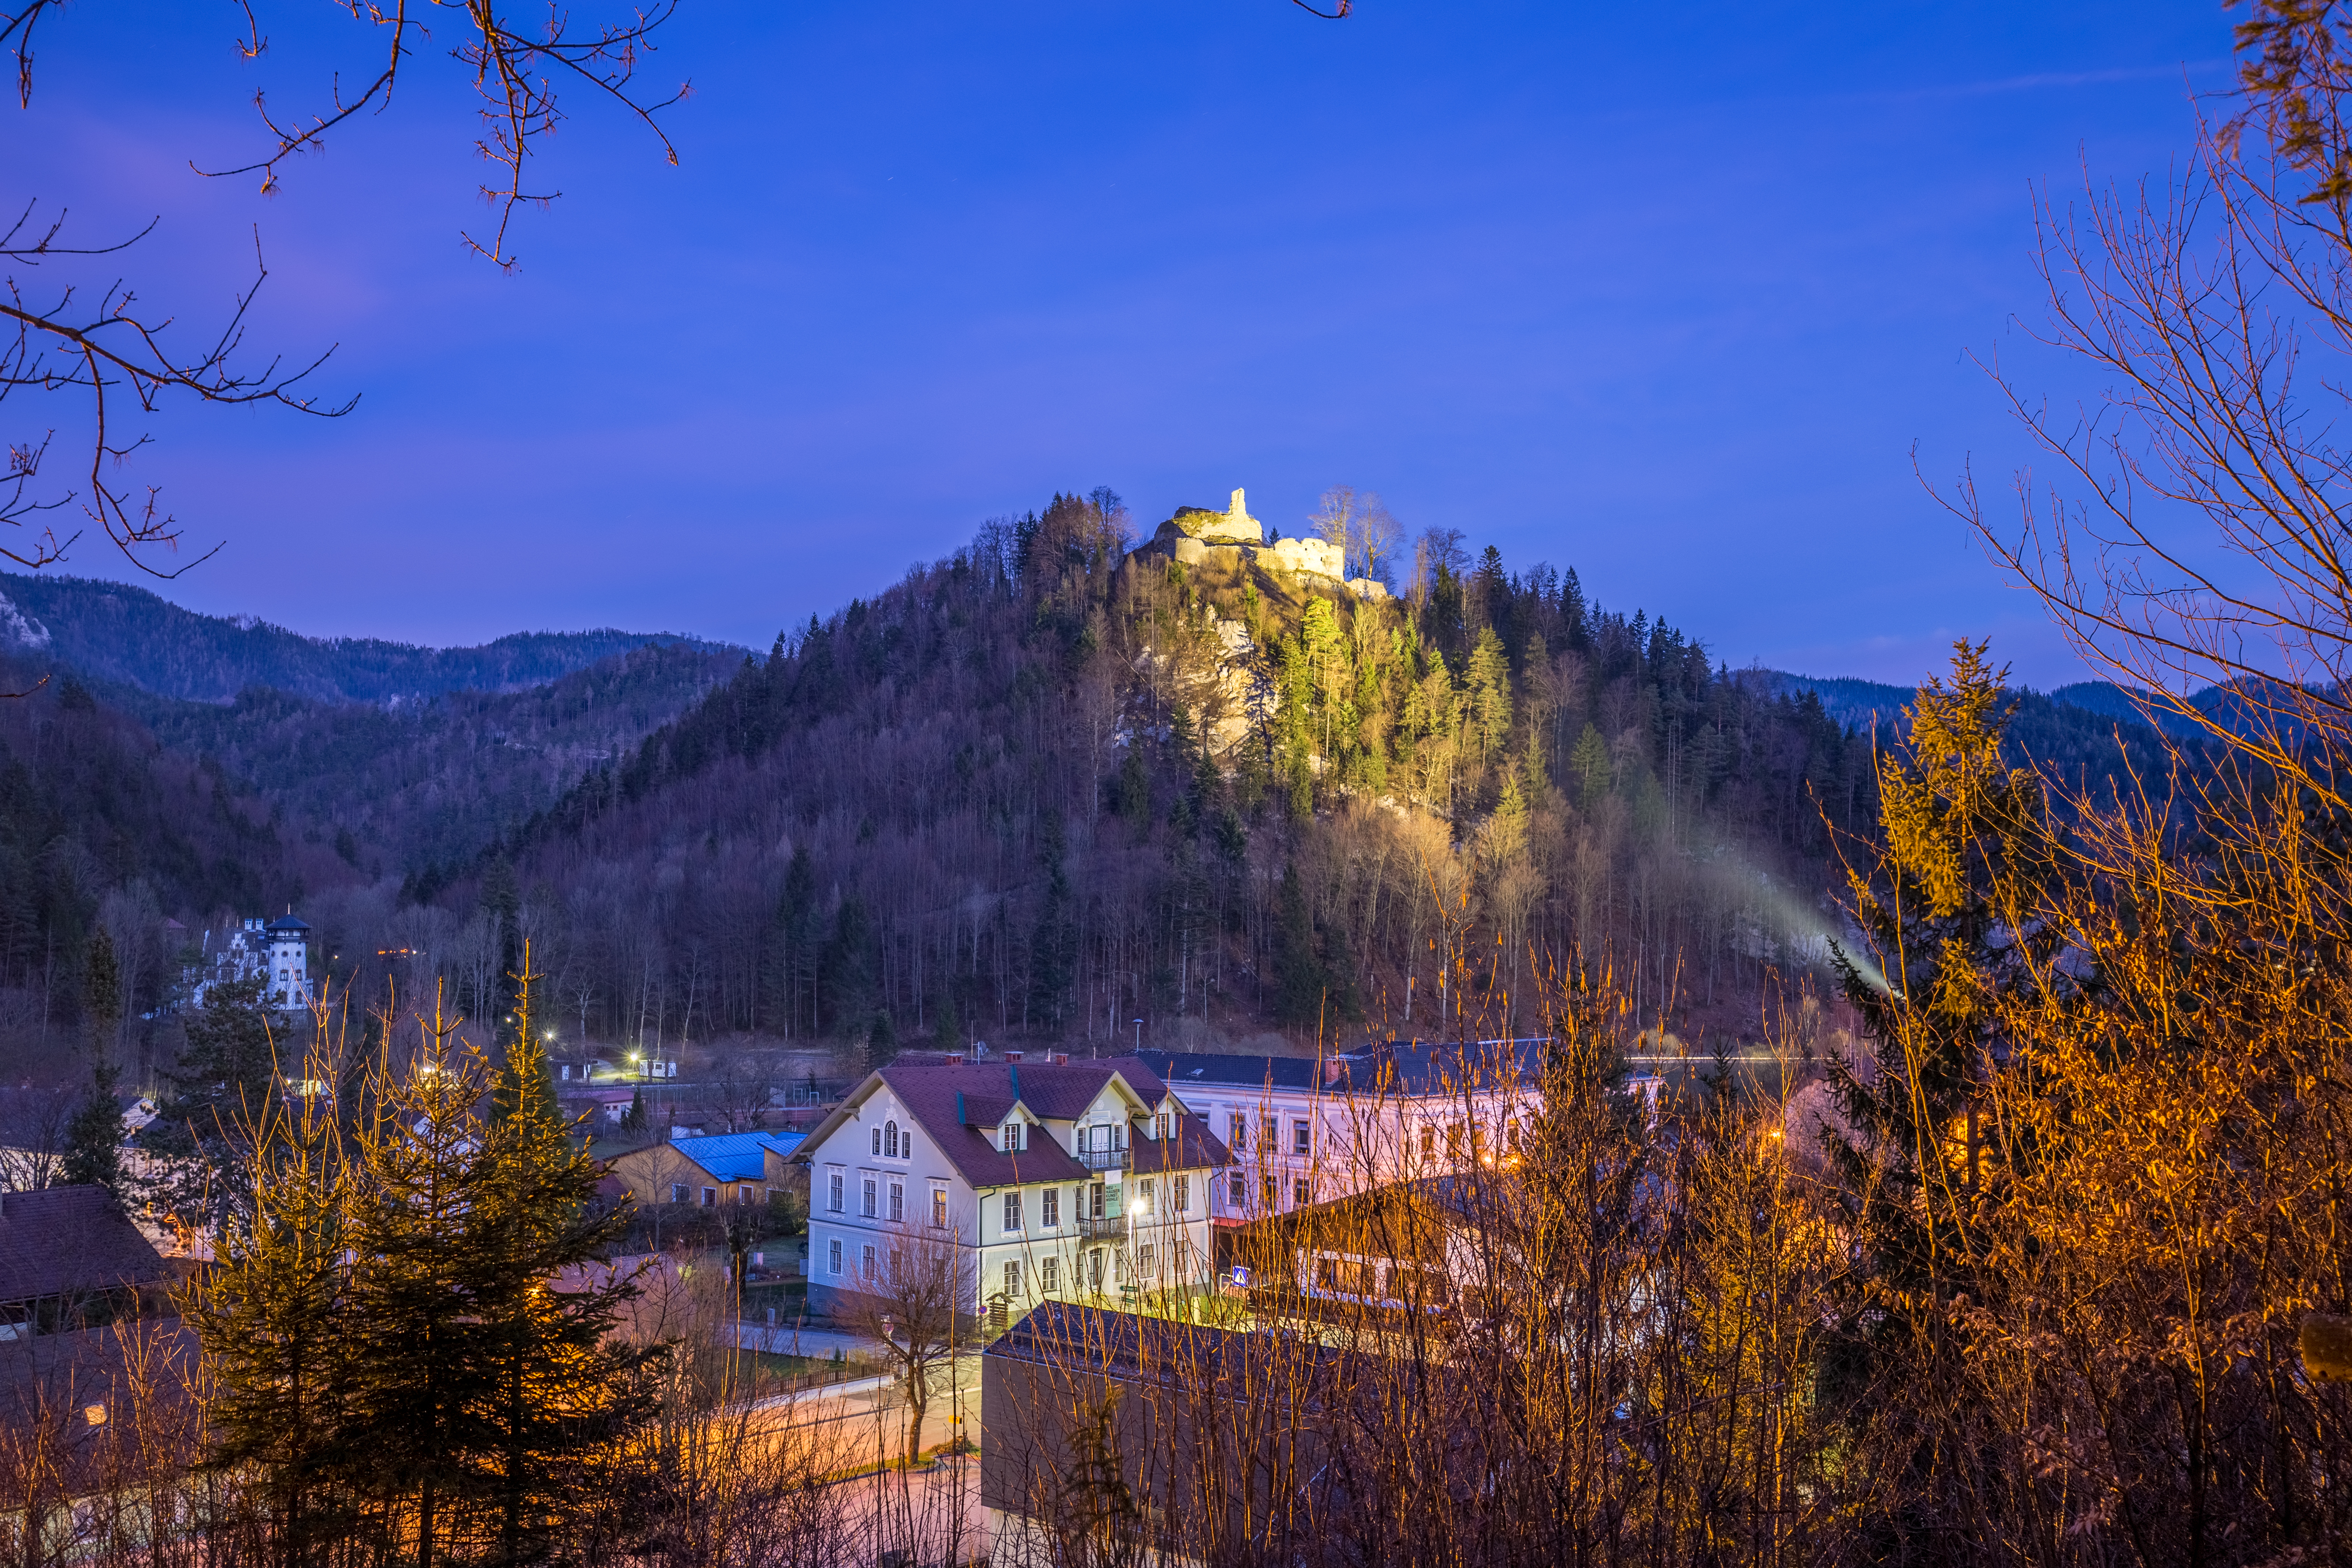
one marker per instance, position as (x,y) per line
(286,980)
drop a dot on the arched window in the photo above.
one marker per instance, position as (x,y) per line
(890,1139)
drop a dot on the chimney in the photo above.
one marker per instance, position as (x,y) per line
(1013,1055)
(955,1058)
(1061,1059)
(1331,1070)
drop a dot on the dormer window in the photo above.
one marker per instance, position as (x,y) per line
(1159,1124)
(1009,1136)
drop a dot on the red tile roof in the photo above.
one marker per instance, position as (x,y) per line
(959,1104)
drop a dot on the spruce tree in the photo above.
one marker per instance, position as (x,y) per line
(272,1314)
(1054,943)
(221,1087)
(101,1001)
(1299,983)
(563,1393)
(1947,910)
(93,1153)
(421,1404)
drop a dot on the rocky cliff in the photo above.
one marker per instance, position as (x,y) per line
(1197,536)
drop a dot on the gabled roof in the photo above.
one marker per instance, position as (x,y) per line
(65,1240)
(958,1105)
(736,1156)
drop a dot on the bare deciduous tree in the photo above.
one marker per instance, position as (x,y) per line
(105,346)
(919,1304)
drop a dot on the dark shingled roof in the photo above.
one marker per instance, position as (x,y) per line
(1406,1067)
(64,1240)
(1052,1091)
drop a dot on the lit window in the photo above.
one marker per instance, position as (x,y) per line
(1011,1213)
(1144,1195)
(940,1208)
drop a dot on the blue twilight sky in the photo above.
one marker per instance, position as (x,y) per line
(1665,294)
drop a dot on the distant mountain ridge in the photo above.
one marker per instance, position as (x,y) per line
(121,635)
(1851,700)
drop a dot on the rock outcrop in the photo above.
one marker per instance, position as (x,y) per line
(1196,535)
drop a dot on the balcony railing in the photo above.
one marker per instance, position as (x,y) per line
(1106,1159)
(1112,1227)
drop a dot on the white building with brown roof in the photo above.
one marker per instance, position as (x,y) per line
(1053,1179)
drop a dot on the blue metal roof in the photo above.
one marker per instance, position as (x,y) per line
(737,1156)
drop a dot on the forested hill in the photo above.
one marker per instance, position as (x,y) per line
(397,789)
(110,632)
(99,827)
(1045,787)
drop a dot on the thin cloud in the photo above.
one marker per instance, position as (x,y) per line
(2040,80)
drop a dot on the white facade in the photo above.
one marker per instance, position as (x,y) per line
(1302,1131)
(276,953)
(1078,1196)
